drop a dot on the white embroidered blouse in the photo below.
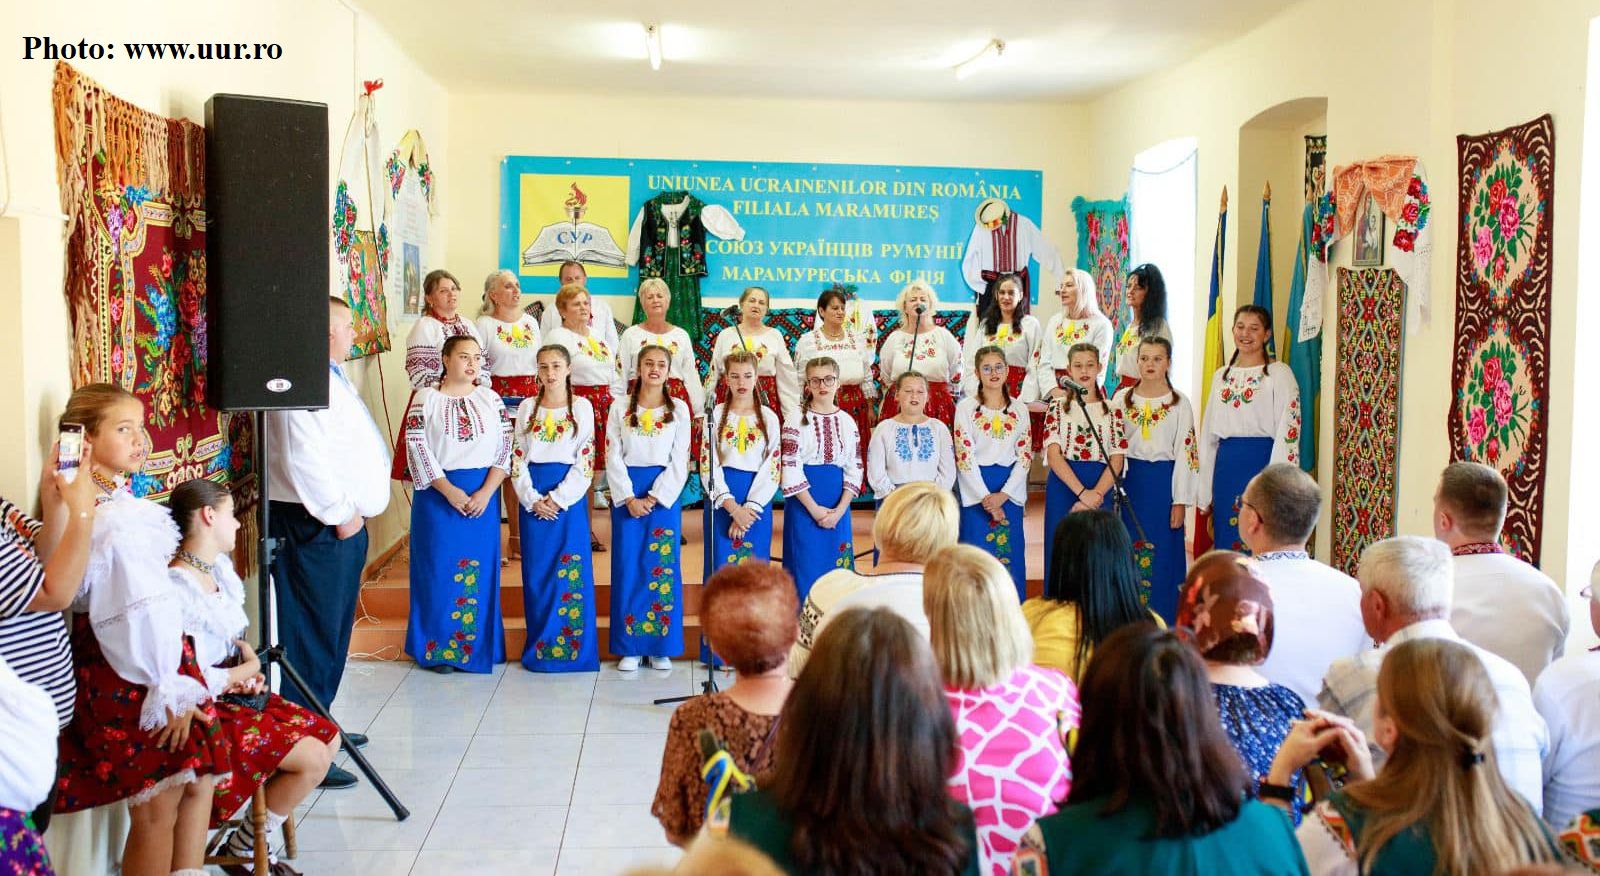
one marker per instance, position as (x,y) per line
(1159,429)
(1070,431)
(741,445)
(650,441)
(445,433)
(511,348)
(594,359)
(1060,333)
(1023,350)
(772,360)
(938,356)
(681,366)
(985,436)
(1256,402)
(544,434)
(853,352)
(901,453)
(823,439)
(424,360)
(1128,347)
(212,620)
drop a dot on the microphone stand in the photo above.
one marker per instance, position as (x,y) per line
(1118,489)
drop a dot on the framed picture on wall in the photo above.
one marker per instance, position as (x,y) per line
(1369,235)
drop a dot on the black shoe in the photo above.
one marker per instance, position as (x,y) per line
(358,740)
(338,777)
(441,669)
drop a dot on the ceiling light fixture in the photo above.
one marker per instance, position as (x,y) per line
(983,60)
(652,45)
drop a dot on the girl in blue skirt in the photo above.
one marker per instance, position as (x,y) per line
(1163,469)
(647,463)
(1080,476)
(458,446)
(993,452)
(553,464)
(1252,419)
(822,475)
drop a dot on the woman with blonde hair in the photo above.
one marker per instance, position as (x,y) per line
(1012,718)
(919,344)
(510,346)
(775,368)
(1079,321)
(1439,805)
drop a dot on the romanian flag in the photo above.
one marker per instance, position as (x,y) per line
(1263,294)
(1213,355)
(1304,358)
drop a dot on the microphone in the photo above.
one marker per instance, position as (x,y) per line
(1071,385)
(921,309)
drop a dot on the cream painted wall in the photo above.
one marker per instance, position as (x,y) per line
(328,48)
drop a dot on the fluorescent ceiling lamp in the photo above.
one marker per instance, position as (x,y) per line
(652,45)
(983,60)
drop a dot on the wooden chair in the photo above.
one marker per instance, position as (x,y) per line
(259,862)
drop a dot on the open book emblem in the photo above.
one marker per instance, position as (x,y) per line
(574,239)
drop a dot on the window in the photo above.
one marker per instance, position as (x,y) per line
(1161,230)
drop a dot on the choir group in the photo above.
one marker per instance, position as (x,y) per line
(558,407)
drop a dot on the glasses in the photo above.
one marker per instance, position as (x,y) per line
(830,380)
(995,369)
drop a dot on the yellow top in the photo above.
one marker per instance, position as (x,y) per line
(1055,634)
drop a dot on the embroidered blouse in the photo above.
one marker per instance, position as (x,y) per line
(424,346)
(772,360)
(1157,433)
(682,365)
(985,436)
(823,439)
(594,359)
(649,442)
(212,620)
(1128,347)
(564,435)
(1067,429)
(445,433)
(853,352)
(1060,333)
(902,453)
(1022,348)
(1256,402)
(512,348)
(601,322)
(742,446)
(938,356)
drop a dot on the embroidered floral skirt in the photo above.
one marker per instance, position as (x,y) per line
(455,581)
(853,401)
(599,397)
(1059,499)
(260,741)
(809,551)
(557,582)
(1003,540)
(646,574)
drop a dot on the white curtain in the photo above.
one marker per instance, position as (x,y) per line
(1161,230)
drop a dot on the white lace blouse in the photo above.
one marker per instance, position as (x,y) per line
(212,620)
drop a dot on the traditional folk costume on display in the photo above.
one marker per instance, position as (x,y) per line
(775,368)
(1003,242)
(903,453)
(668,240)
(455,559)
(512,351)
(1069,429)
(1127,352)
(596,376)
(822,456)
(741,463)
(937,357)
(683,382)
(425,366)
(1161,469)
(647,456)
(135,668)
(856,355)
(1252,420)
(993,451)
(553,457)
(259,738)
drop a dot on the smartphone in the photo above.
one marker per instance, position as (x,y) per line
(70,454)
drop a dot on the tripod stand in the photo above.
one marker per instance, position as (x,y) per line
(271,653)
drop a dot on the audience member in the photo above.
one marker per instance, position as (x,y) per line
(715,856)
(1501,603)
(1438,804)
(865,746)
(1405,594)
(1012,718)
(1316,607)
(749,616)
(1091,590)
(1567,696)
(1157,788)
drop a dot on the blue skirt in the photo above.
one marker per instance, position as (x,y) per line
(455,581)
(1058,500)
(724,550)
(1004,541)
(1150,492)
(557,582)
(646,578)
(809,551)
(1238,460)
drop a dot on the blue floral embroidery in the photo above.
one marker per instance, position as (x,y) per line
(914,441)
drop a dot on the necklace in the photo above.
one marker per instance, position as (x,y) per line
(106,484)
(202,566)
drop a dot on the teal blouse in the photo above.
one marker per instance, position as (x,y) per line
(1078,839)
(753,819)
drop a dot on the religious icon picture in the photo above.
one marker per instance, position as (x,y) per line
(1369,236)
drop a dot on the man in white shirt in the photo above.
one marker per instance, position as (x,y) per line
(1501,603)
(1406,584)
(599,311)
(1568,696)
(327,472)
(1316,609)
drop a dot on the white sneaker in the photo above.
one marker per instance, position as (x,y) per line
(662,663)
(628,664)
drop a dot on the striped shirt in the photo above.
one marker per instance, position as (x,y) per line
(33,643)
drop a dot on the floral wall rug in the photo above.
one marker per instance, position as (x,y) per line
(1366,410)
(1103,252)
(1500,413)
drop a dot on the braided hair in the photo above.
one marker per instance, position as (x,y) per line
(805,393)
(742,357)
(1163,343)
(633,391)
(538,400)
(983,353)
(1265,316)
(1094,385)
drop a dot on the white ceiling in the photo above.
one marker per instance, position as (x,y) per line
(858,49)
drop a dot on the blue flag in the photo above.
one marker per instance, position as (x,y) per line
(1304,358)
(1263,296)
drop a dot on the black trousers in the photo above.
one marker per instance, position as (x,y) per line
(316,578)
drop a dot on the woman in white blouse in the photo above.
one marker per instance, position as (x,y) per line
(1078,322)
(683,374)
(911,446)
(1147,298)
(775,374)
(441,320)
(510,340)
(853,354)
(993,452)
(458,440)
(923,346)
(596,367)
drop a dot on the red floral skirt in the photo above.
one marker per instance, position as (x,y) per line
(676,389)
(1016,375)
(941,405)
(104,756)
(513,388)
(854,402)
(599,397)
(1127,382)
(259,742)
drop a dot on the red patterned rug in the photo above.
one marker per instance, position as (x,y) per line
(1500,411)
(1366,409)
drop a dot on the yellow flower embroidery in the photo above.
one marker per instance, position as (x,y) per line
(594,349)
(740,433)
(648,424)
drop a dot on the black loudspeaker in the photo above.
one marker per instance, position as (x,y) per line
(267,253)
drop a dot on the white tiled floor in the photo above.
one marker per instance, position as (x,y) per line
(515,773)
